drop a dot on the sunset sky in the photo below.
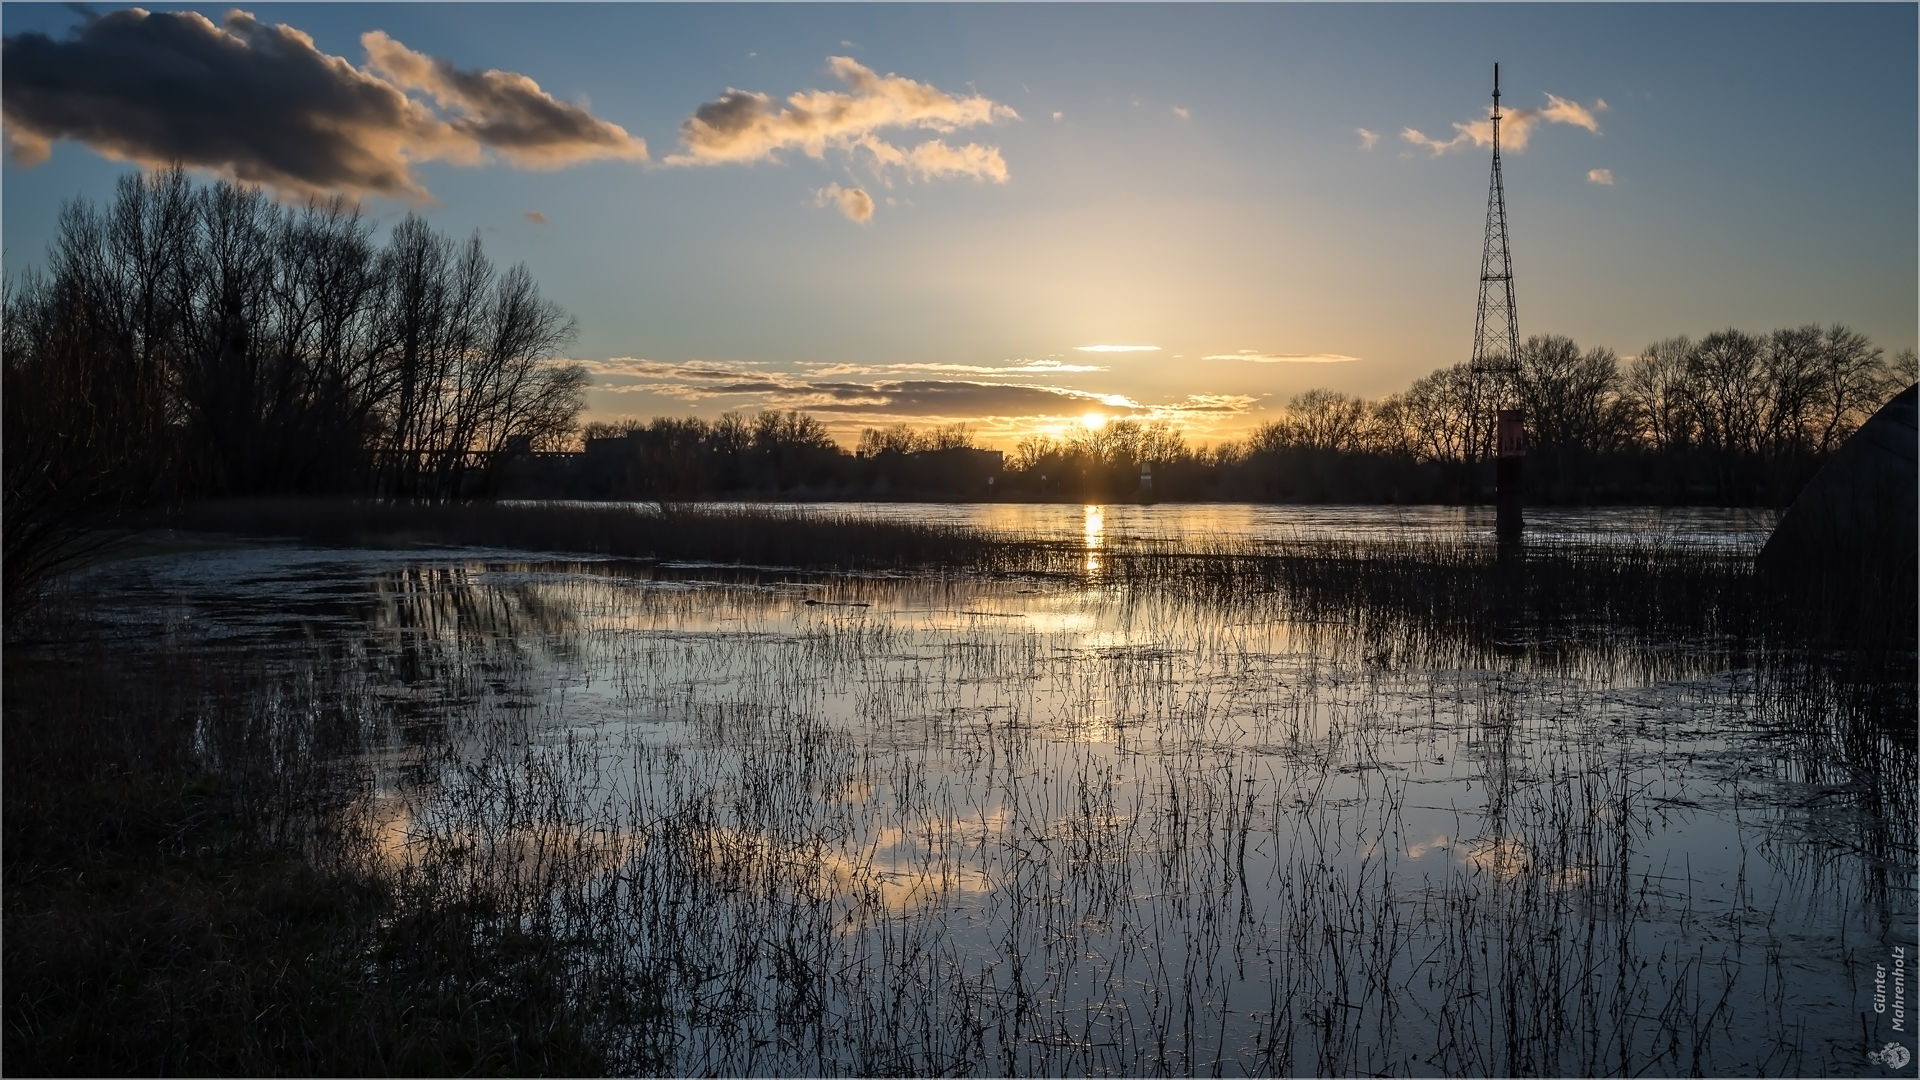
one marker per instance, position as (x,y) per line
(929,213)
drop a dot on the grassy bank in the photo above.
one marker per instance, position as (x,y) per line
(822,540)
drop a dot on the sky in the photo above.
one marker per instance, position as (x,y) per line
(926,213)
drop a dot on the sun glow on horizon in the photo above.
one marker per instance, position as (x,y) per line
(1094,421)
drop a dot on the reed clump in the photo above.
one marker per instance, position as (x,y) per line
(1548,598)
(180,897)
(1302,807)
(666,532)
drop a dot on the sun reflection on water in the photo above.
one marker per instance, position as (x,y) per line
(1095,531)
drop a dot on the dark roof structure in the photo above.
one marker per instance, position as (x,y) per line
(1856,526)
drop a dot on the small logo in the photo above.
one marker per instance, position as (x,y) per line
(1892,1055)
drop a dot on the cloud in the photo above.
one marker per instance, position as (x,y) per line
(1055,365)
(743,126)
(853,202)
(508,113)
(1367,138)
(1184,114)
(261,104)
(1254,357)
(535,216)
(1217,403)
(693,371)
(1116,348)
(699,380)
(1600,176)
(754,385)
(1516,126)
(1024,367)
(934,158)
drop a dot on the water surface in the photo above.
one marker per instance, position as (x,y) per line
(951,824)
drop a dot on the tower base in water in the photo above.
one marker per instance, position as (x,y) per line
(1512,452)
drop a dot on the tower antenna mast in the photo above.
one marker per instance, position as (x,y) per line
(1496,346)
(1496,326)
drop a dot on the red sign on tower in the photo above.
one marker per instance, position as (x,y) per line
(1512,434)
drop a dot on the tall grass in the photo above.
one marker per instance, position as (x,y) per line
(183,893)
(670,532)
(1329,809)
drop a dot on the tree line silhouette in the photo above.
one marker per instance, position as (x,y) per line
(774,452)
(688,457)
(190,340)
(1735,419)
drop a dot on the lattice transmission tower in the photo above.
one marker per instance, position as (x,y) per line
(1496,327)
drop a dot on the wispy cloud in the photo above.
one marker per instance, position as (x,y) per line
(262,104)
(1516,126)
(991,395)
(1600,176)
(853,202)
(1224,404)
(1367,138)
(1184,114)
(933,158)
(535,217)
(745,126)
(1055,365)
(1254,357)
(1024,367)
(945,397)
(1116,348)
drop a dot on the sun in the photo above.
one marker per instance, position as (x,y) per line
(1093,421)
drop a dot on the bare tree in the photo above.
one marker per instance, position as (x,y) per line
(247,347)
(955,436)
(88,422)
(1723,375)
(1386,428)
(1902,371)
(1571,401)
(1451,413)
(903,439)
(1854,379)
(1034,453)
(1326,420)
(1659,409)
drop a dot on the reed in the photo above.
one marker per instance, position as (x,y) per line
(669,532)
(1302,808)
(180,893)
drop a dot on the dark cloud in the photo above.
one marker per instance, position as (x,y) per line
(943,398)
(698,380)
(508,113)
(891,399)
(262,104)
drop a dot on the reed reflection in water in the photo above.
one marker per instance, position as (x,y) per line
(952,824)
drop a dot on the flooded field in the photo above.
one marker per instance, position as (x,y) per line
(1165,818)
(1258,523)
